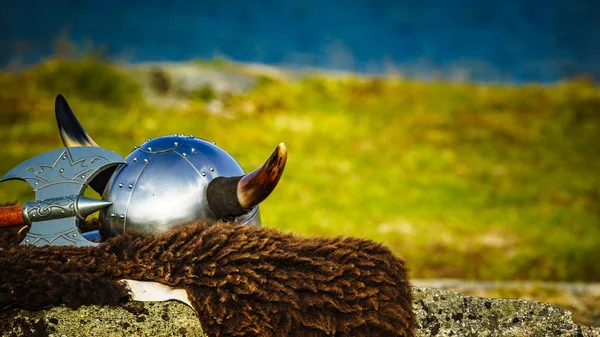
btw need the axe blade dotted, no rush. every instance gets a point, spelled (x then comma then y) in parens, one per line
(57, 232)
(61, 173)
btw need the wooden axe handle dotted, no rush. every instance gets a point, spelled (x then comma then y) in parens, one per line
(11, 216)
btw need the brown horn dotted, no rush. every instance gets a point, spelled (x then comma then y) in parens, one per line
(230, 197)
(256, 186)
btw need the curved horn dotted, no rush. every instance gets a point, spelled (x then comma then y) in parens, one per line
(71, 131)
(256, 186)
(74, 135)
(230, 197)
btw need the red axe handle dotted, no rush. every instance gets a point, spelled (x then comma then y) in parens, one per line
(11, 216)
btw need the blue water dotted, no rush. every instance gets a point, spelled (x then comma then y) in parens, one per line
(510, 40)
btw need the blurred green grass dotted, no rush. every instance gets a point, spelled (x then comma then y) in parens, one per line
(478, 181)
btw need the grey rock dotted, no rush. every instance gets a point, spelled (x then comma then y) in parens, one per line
(582, 299)
(446, 313)
(160, 319)
(439, 312)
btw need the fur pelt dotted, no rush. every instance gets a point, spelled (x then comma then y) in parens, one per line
(241, 280)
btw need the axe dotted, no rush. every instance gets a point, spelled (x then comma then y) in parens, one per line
(58, 178)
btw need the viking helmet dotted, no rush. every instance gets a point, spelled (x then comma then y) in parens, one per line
(174, 180)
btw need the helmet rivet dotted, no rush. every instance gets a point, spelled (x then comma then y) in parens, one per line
(135, 160)
(191, 136)
(174, 135)
(214, 143)
(27, 240)
(184, 154)
(121, 185)
(149, 148)
(122, 216)
(149, 139)
(136, 147)
(211, 169)
(61, 170)
(64, 157)
(145, 160)
(112, 214)
(83, 176)
(193, 150)
(130, 185)
(74, 234)
(182, 135)
(203, 174)
(176, 143)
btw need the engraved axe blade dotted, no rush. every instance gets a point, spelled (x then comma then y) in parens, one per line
(59, 178)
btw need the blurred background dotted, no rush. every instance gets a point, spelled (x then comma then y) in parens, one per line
(465, 135)
(509, 40)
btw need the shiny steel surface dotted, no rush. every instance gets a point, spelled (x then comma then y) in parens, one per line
(58, 178)
(163, 186)
(61, 207)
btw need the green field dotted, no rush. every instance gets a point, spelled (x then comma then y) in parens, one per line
(479, 181)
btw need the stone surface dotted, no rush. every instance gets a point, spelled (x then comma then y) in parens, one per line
(446, 313)
(582, 299)
(131, 319)
(440, 313)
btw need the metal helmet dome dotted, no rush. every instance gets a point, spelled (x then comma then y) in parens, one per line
(175, 180)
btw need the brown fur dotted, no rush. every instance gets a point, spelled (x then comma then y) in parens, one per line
(242, 280)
